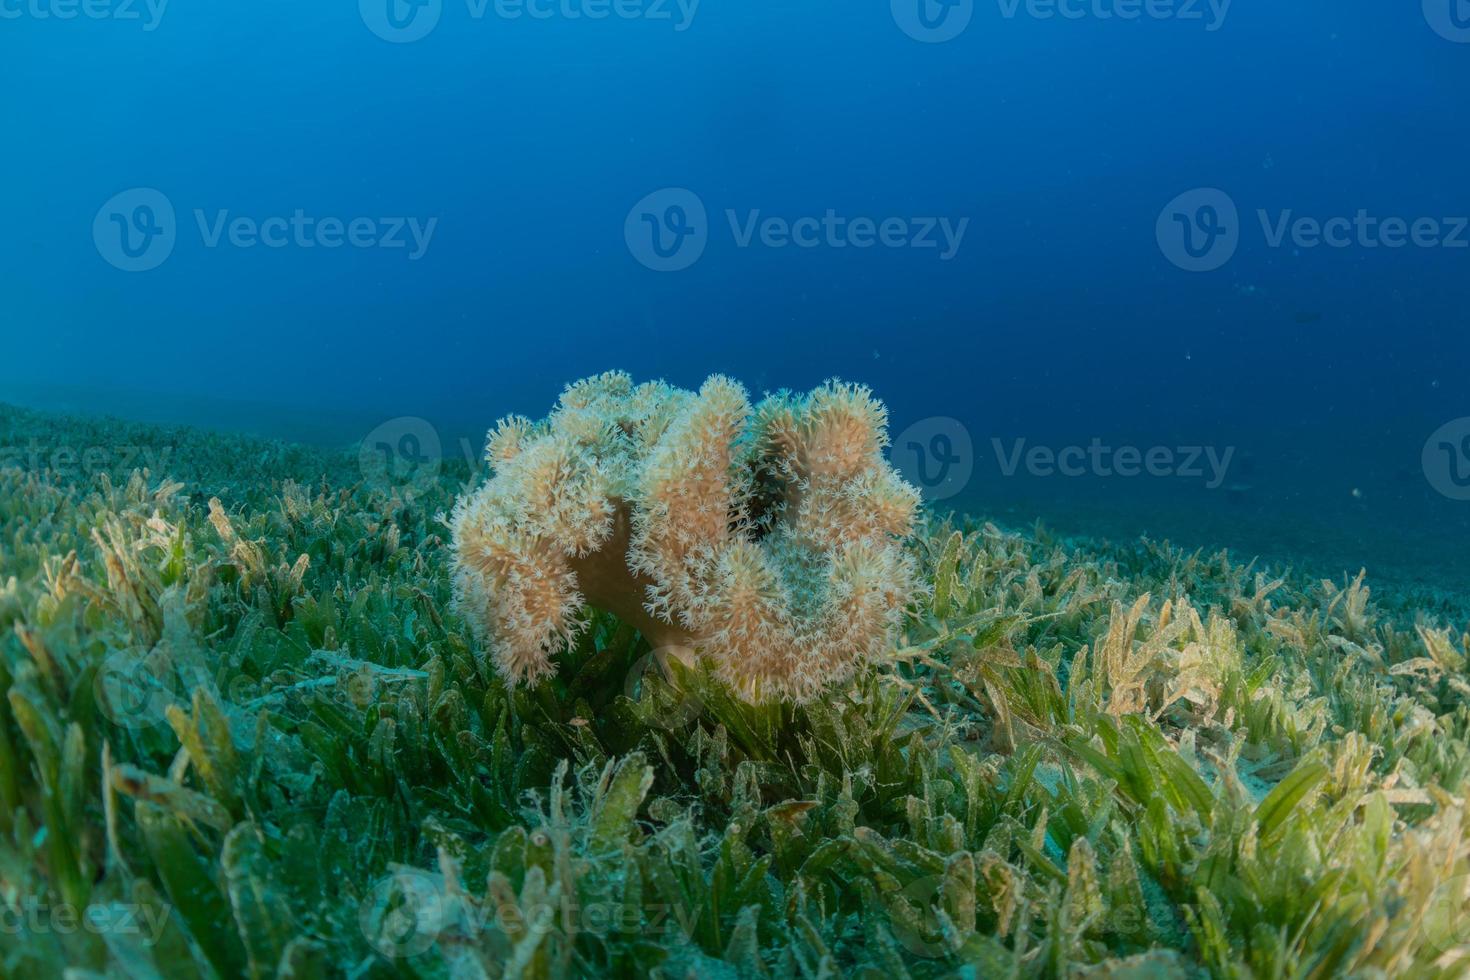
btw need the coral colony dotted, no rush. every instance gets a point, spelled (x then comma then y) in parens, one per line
(763, 539)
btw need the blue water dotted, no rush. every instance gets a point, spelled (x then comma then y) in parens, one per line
(1051, 147)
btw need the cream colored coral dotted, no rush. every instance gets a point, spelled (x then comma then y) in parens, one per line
(765, 539)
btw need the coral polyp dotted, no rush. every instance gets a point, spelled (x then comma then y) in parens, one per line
(765, 539)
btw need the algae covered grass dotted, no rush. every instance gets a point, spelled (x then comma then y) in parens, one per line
(244, 735)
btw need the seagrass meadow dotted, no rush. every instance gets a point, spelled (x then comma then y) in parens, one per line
(244, 733)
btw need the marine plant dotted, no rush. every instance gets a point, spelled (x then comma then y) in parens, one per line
(764, 539)
(245, 733)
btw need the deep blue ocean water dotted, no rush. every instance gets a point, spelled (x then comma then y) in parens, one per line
(1194, 270)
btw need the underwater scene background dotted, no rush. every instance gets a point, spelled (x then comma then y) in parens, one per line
(404, 571)
(996, 208)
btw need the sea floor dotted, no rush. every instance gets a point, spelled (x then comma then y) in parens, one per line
(1319, 534)
(1344, 508)
(242, 716)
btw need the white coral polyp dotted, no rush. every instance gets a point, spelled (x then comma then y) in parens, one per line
(766, 538)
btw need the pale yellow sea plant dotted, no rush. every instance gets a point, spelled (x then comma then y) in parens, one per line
(764, 540)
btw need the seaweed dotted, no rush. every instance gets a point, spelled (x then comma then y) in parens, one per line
(245, 733)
